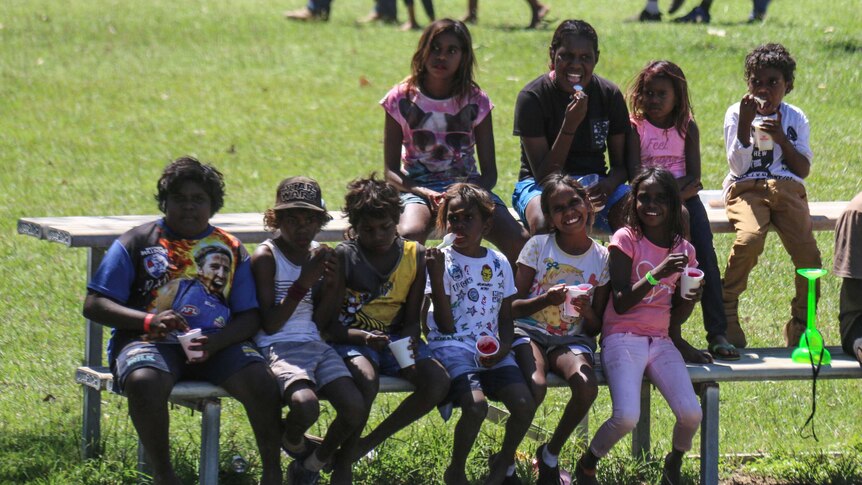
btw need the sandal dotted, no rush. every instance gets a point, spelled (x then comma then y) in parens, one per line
(724, 351)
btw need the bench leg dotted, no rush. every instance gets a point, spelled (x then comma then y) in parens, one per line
(709, 435)
(91, 428)
(641, 435)
(210, 429)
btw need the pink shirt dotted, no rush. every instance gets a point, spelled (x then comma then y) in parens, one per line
(651, 316)
(664, 148)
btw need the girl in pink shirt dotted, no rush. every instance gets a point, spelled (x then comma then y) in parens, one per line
(641, 332)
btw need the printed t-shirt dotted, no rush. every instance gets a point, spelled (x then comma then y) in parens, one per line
(300, 327)
(541, 109)
(141, 263)
(554, 266)
(373, 300)
(438, 134)
(476, 288)
(649, 317)
(661, 147)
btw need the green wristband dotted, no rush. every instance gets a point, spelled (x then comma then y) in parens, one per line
(649, 277)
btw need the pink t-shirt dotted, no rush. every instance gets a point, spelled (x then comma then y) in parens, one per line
(439, 142)
(664, 148)
(651, 316)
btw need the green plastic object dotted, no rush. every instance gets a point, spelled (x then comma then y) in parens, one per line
(811, 347)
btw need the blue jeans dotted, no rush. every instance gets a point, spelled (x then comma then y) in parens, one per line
(714, 319)
(319, 6)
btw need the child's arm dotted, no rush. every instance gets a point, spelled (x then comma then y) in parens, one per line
(594, 313)
(545, 160)
(484, 133)
(618, 172)
(506, 331)
(100, 308)
(633, 152)
(393, 138)
(522, 304)
(435, 261)
(681, 309)
(795, 161)
(689, 184)
(415, 297)
(627, 295)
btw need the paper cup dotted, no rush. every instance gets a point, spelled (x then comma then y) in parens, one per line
(401, 350)
(186, 340)
(689, 281)
(762, 139)
(487, 346)
(572, 292)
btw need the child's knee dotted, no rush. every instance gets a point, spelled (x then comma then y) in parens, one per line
(474, 410)
(304, 407)
(147, 384)
(585, 391)
(750, 242)
(625, 420)
(689, 417)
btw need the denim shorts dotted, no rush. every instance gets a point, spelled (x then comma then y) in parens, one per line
(384, 360)
(527, 189)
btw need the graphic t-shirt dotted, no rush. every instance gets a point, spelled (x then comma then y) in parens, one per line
(476, 288)
(201, 309)
(149, 262)
(651, 316)
(661, 147)
(554, 266)
(300, 327)
(438, 138)
(372, 300)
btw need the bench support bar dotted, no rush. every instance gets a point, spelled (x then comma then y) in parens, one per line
(709, 434)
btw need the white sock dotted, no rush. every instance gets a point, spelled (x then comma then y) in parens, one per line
(549, 459)
(313, 463)
(652, 6)
(511, 470)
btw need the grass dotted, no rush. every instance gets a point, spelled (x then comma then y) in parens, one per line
(98, 95)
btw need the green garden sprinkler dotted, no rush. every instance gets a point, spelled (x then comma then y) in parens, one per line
(811, 343)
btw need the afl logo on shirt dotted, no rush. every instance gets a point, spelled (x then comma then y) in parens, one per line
(189, 311)
(156, 264)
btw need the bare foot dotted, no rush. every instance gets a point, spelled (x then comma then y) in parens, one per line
(455, 477)
(408, 26)
(692, 355)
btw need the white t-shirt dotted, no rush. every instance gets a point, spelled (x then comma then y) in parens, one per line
(300, 327)
(554, 266)
(476, 288)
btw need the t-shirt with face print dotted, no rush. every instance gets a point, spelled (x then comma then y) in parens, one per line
(438, 145)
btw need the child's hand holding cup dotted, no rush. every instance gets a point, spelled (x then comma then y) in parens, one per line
(689, 281)
(187, 340)
(573, 293)
(403, 351)
(486, 347)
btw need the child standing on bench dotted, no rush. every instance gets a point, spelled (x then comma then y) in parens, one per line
(471, 289)
(642, 325)
(289, 270)
(546, 339)
(765, 187)
(437, 122)
(380, 290)
(665, 135)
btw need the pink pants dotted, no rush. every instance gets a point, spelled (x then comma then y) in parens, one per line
(626, 358)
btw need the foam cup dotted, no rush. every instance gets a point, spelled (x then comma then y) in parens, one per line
(487, 346)
(572, 292)
(401, 350)
(762, 139)
(689, 281)
(186, 340)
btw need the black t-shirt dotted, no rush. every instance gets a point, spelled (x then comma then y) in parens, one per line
(541, 109)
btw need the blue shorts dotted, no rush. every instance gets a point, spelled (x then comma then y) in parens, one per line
(384, 360)
(527, 189)
(170, 358)
(468, 375)
(410, 198)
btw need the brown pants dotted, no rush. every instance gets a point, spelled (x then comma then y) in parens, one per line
(753, 206)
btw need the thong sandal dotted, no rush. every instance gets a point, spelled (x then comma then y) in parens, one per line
(724, 352)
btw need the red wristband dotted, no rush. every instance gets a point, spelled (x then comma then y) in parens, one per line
(296, 292)
(147, 320)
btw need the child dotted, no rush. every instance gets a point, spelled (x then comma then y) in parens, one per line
(288, 269)
(848, 266)
(563, 345)
(144, 354)
(382, 279)
(471, 289)
(765, 185)
(641, 334)
(665, 135)
(435, 120)
(538, 12)
(567, 119)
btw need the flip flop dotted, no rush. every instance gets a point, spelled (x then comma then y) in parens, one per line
(730, 352)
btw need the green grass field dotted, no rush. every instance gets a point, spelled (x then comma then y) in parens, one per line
(97, 96)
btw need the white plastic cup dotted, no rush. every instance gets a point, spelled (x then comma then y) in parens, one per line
(401, 350)
(487, 346)
(762, 139)
(572, 292)
(689, 281)
(186, 340)
(588, 181)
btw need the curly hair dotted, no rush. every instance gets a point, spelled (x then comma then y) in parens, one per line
(371, 198)
(189, 169)
(463, 82)
(682, 112)
(666, 180)
(774, 56)
(578, 28)
(470, 194)
(554, 182)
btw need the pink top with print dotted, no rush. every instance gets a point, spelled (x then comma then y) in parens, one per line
(663, 148)
(439, 142)
(651, 316)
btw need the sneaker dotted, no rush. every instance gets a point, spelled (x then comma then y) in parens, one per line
(584, 476)
(547, 475)
(299, 475)
(306, 15)
(696, 16)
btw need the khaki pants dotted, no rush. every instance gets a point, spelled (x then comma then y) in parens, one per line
(753, 206)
